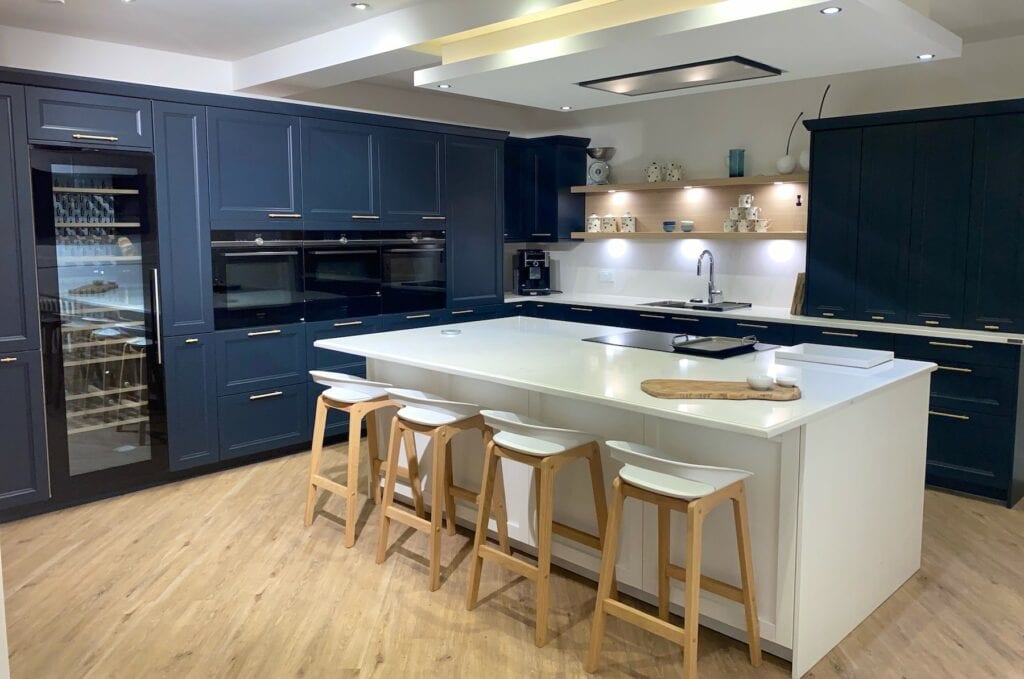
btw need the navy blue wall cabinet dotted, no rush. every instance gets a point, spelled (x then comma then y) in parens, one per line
(475, 185)
(995, 246)
(183, 212)
(339, 178)
(260, 358)
(190, 376)
(87, 119)
(520, 190)
(19, 306)
(539, 194)
(254, 169)
(411, 166)
(258, 421)
(23, 476)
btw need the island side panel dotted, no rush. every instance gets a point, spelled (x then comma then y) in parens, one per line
(861, 513)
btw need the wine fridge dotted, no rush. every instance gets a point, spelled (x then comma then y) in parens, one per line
(96, 257)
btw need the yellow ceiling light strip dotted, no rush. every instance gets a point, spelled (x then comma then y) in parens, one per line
(569, 20)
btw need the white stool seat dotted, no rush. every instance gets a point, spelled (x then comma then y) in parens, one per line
(430, 410)
(348, 388)
(532, 437)
(348, 395)
(651, 469)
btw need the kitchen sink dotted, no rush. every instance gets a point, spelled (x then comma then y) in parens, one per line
(698, 305)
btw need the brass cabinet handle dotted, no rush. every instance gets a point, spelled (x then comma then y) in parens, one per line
(433, 219)
(878, 318)
(686, 318)
(365, 217)
(285, 215)
(580, 308)
(953, 345)
(8, 359)
(951, 416)
(192, 340)
(345, 324)
(931, 322)
(991, 327)
(660, 318)
(261, 333)
(415, 316)
(827, 314)
(839, 334)
(751, 325)
(955, 370)
(462, 312)
(93, 137)
(269, 394)
(540, 234)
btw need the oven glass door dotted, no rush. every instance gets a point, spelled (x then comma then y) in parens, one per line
(414, 278)
(342, 281)
(255, 286)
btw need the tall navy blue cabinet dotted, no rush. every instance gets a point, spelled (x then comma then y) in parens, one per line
(339, 184)
(538, 194)
(520, 190)
(411, 177)
(190, 376)
(19, 313)
(183, 214)
(255, 176)
(23, 476)
(475, 242)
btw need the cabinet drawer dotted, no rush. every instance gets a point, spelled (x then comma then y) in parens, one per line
(473, 314)
(417, 319)
(768, 333)
(842, 337)
(87, 119)
(325, 359)
(969, 451)
(660, 321)
(940, 350)
(555, 312)
(682, 323)
(263, 420)
(337, 421)
(975, 388)
(260, 358)
(582, 313)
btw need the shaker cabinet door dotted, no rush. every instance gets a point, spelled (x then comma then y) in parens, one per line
(191, 380)
(23, 475)
(338, 169)
(88, 119)
(412, 188)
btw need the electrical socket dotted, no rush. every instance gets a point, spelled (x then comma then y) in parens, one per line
(606, 276)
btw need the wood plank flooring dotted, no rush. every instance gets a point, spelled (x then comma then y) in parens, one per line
(216, 577)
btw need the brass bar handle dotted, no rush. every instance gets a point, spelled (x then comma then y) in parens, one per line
(285, 215)
(660, 318)
(93, 137)
(936, 413)
(540, 234)
(429, 218)
(751, 325)
(8, 359)
(931, 322)
(192, 340)
(878, 318)
(952, 345)
(955, 370)
(347, 324)
(463, 312)
(415, 316)
(365, 217)
(261, 333)
(686, 318)
(991, 327)
(580, 308)
(827, 314)
(839, 334)
(269, 394)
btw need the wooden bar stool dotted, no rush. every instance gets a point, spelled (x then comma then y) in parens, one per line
(442, 420)
(361, 399)
(547, 450)
(695, 490)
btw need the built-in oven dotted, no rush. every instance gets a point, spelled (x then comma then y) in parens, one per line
(413, 271)
(342, 272)
(257, 278)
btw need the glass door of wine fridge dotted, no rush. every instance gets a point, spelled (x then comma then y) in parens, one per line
(98, 280)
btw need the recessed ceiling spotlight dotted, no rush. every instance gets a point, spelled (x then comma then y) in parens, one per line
(566, 108)
(831, 11)
(925, 57)
(360, 5)
(445, 86)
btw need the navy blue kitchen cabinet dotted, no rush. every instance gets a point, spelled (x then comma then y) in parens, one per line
(23, 475)
(943, 165)
(258, 421)
(19, 306)
(339, 174)
(970, 452)
(417, 319)
(260, 358)
(520, 190)
(183, 213)
(765, 331)
(585, 313)
(833, 215)
(87, 119)
(255, 174)
(543, 207)
(841, 337)
(476, 313)
(190, 376)
(475, 186)
(995, 245)
(335, 361)
(411, 177)
(548, 310)
(883, 233)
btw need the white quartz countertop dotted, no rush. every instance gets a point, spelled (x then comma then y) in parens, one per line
(550, 357)
(770, 314)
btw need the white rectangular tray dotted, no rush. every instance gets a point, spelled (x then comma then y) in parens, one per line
(845, 356)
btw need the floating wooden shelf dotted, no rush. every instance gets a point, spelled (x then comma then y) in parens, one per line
(695, 183)
(98, 225)
(704, 235)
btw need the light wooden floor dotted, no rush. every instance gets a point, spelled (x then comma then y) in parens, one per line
(216, 577)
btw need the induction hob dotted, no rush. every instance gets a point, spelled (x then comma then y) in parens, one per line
(673, 343)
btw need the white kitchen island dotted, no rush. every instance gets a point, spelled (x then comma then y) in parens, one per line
(836, 500)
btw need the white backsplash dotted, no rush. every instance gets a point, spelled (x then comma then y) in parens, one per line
(759, 272)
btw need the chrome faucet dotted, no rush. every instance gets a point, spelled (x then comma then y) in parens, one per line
(714, 294)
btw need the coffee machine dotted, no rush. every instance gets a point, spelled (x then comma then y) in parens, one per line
(533, 272)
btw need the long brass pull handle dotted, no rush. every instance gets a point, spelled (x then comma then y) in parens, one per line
(365, 217)
(269, 394)
(261, 333)
(346, 324)
(192, 340)
(463, 312)
(686, 318)
(839, 334)
(827, 314)
(8, 359)
(433, 219)
(878, 318)
(580, 308)
(540, 234)
(951, 416)
(931, 322)
(93, 137)
(955, 370)
(415, 316)
(991, 327)
(660, 318)
(953, 345)
(285, 215)
(751, 325)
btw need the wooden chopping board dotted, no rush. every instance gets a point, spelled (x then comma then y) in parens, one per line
(707, 389)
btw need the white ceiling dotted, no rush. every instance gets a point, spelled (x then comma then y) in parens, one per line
(221, 29)
(979, 20)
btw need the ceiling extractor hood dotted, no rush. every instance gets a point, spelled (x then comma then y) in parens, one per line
(685, 76)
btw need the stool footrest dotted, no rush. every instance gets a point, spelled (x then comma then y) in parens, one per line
(324, 483)
(576, 535)
(464, 493)
(712, 585)
(527, 570)
(647, 622)
(408, 519)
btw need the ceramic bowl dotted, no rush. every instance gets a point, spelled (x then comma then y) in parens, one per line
(669, 227)
(785, 381)
(760, 382)
(686, 225)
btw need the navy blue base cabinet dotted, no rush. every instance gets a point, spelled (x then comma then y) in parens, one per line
(191, 382)
(260, 358)
(259, 421)
(23, 476)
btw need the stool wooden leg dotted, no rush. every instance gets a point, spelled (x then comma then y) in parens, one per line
(389, 488)
(437, 498)
(607, 576)
(319, 423)
(487, 485)
(739, 506)
(694, 530)
(544, 519)
(600, 500)
(449, 481)
(355, 425)
(500, 508)
(373, 447)
(664, 551)
(413, 465)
